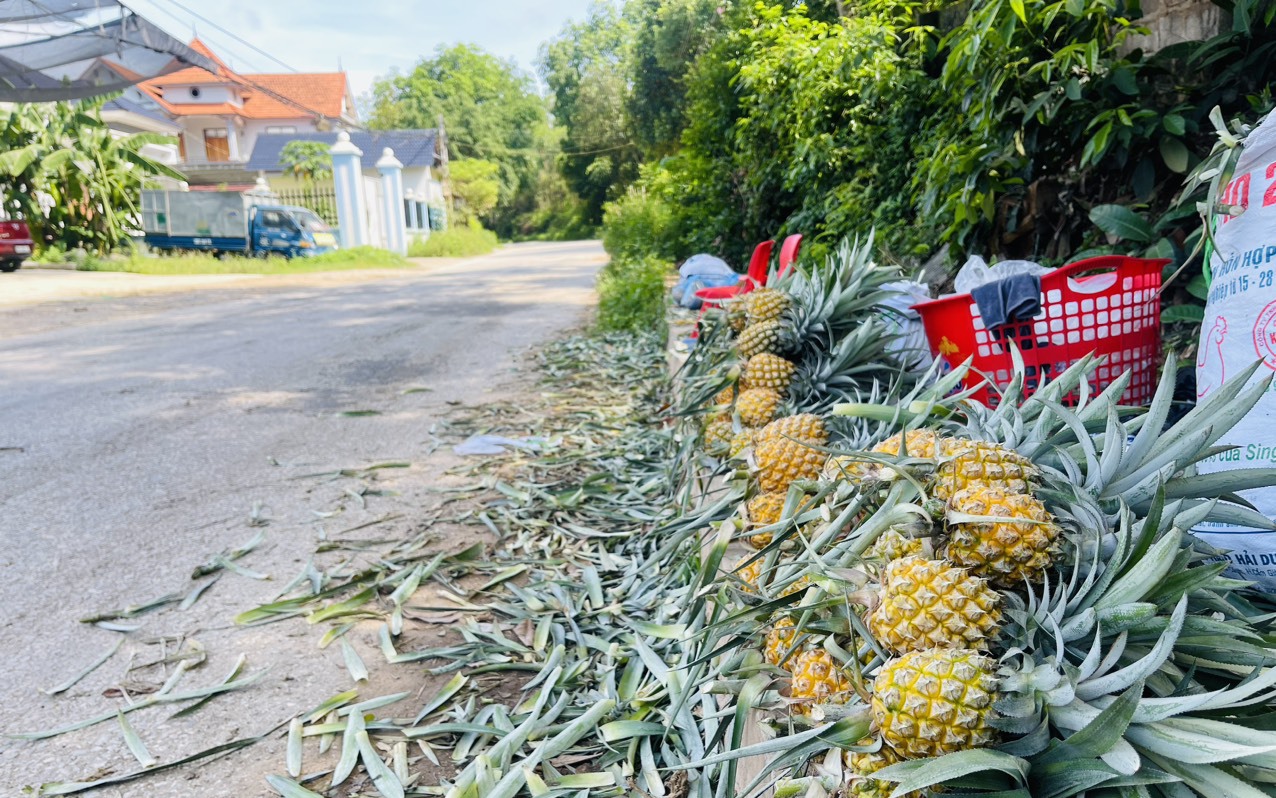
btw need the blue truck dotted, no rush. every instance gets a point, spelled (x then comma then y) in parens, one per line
(228, 222)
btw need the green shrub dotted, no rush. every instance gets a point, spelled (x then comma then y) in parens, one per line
(456, 242)
(638, 224)
(631, 295)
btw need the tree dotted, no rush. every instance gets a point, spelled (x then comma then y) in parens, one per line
(476, 186)
(670, 36)
(307, 161)
(75, 182)
(489, 107)
(586, 69)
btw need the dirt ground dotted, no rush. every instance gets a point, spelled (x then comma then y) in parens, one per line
(141, 435)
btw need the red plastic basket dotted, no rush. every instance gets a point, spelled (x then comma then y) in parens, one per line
(1107, 306)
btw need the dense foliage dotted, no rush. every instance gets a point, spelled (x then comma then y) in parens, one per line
(73, 181)
(631, 295)
(1028, 128)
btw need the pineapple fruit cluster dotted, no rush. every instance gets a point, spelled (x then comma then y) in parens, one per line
(952, 577)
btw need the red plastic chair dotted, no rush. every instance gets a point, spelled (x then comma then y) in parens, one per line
(789, 251)
(759, 264)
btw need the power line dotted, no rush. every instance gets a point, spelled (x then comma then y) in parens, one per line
(182, 22)
(234, 36)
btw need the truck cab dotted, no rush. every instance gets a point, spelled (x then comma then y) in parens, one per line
(289, 231)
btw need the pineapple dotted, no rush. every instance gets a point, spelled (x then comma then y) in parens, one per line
(766, 509)
(817, 679)
(784, 451)
(769, 371)
(725, 397)
(749, 574)
(783, 462)
(778, 642)
(757, 406)
(741, 440)
(984, 464)
(766, 304)
(846, 467)
(803, 427)
(1006, 552)
(931, 604)
(893, 545)
(935, 702)
(763, 337)
(860, 767)
(923, 443)
(717, 435)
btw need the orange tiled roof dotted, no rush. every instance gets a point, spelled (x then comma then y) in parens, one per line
(268, 96)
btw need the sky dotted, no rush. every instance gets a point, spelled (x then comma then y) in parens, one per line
(368, 38)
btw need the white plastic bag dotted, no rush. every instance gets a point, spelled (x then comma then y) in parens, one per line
(1239, 326)
(976, 272)
(911, 347)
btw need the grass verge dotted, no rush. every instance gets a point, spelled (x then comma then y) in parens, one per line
(458, 242)
(200, 263)
(631, 295)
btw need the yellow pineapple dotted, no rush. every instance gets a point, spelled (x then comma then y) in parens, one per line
(749, 574)
(769, 371)
(893, 545)
(766, 304)
(717, 435)
(978, 463)
(757, 406)
(924, 443)
(758, 338)
(725, 396)
(764, 509)
(784, 451)
(859, 767)
(935, 702)
(931, 604)
(1019, 546)
(741, 441)
(848, 468)
(778, 642)
(806, 427)
(817, 679)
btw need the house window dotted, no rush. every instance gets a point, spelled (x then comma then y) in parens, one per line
(216, 145)
(281, 129)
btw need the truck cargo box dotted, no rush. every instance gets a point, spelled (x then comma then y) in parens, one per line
(189, 213)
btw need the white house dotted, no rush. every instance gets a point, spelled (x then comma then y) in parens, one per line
(220, 115)
(423, 154)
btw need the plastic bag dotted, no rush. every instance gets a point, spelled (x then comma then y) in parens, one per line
(911, 346)
(701, 271)
(977, 272)
(1240, 325)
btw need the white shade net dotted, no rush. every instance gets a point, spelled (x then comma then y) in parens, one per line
(47, 46)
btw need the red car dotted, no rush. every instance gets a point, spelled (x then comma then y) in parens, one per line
(15, 245)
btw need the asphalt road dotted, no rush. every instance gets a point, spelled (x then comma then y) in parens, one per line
(139, 436)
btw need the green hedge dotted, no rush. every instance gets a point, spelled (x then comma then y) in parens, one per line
(631, 295)
(456, 242)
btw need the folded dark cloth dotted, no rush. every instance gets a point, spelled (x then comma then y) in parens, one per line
(1014, 298)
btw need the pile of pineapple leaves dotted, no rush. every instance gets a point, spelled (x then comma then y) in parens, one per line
(608, 646)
